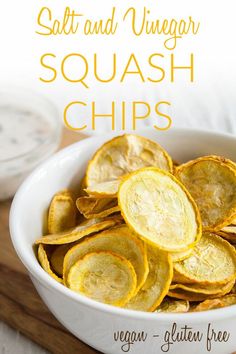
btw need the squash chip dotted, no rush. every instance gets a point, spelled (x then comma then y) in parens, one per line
(86, 228)
(230, 229)
(213, 261)
(180, 256)
(227, 236)
(125, 154)
(207, 289)
(170, 305)
(157, 283)
(103, 276)
(62, 212)
(212, 183)
(57, 258)
(224, 301)
(92, 207)
(233, 222)
(120, 240)
(44, 261)
(158, 208)
(107, 189)
(189, 295)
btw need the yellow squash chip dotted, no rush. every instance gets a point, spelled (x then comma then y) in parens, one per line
(158, 208)
(86, 228)
(213, 261)
(44, 261)
(157, 283)
(227, 236)
(120, 240)
(107, 189)
(212, 183)
(180, 256)
(125, 154)
(171, 305)
(223, 160)
(207, 289)
(206, 305)
(189, 295)
(180, 278)
(57, 258)
(104, 276)
(229, 229)
(92, 207)
(62, 213)
(233, 222)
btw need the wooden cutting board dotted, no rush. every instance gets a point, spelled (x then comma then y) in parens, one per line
(20, 305)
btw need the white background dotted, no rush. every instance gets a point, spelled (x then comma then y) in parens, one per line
(209, 102)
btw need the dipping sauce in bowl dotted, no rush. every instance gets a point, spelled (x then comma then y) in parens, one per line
(29, 132)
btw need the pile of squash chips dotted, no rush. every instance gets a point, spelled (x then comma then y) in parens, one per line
(145, 233)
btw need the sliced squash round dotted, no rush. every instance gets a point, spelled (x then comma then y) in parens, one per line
(212, 183)
(213, 261)
(103, 276)
(160, 210)
(120, 240)
(125, 154)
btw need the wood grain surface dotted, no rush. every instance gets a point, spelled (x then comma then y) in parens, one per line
(20, 305)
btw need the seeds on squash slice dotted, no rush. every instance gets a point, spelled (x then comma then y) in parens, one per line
(160, 210)
(103, 276)
(120, 240)
(213, 261)
(125, 154)
(212, 183)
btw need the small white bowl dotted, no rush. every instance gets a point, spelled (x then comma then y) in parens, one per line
(30, 132)
(102, 326)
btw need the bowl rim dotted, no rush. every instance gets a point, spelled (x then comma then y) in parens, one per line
(46, 280)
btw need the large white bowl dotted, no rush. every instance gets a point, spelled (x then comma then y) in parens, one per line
(94, 323)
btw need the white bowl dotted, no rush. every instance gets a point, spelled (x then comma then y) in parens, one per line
(98, 324)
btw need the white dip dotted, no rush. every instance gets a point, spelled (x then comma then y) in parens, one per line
(28, 134)
(21, 132)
